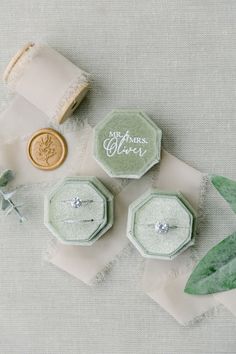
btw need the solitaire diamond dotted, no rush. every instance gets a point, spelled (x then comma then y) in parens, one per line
(162, 228)
(76, 202)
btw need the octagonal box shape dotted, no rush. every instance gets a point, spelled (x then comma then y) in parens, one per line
(57, 209)
(127, 143)
(153, 207)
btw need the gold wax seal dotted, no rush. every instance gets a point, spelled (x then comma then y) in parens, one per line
(47, 149)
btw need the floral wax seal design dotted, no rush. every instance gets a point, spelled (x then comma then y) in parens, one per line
(79, 210)
(47, 149)
(161, 225)
(127, 143)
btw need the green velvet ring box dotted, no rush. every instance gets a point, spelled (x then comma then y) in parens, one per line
(127, 143)
(161, 225)
(79, 210)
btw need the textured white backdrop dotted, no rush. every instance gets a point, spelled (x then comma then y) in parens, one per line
(175, 59)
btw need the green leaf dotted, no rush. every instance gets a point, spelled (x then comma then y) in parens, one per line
(5, 204)
(216, 272)
(227, 188)
(6, 177)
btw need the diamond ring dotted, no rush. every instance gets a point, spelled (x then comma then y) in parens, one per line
(161, 227)
(76, 202)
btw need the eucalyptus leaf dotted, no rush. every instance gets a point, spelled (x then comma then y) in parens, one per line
(6, 177)
(216, 272)
(227, 188)
(5, 204)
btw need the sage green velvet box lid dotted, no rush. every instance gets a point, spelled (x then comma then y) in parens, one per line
(161, 225)
(127, 143)
(79, 210)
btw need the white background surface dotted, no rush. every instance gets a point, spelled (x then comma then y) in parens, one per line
(176, 60)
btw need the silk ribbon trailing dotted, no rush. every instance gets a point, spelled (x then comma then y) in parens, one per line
(37, 104)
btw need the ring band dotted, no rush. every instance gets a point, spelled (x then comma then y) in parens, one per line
(74, 221)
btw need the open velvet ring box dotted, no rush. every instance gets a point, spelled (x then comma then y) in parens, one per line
(161, 225)
(79, 210)
(127, 143)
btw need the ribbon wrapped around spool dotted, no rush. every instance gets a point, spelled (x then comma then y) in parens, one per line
(48, 80)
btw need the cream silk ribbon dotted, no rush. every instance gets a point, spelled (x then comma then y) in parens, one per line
(32, 109)
(47, 80)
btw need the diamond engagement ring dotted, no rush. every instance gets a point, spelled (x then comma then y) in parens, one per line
(161, 227)
(76, 202)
